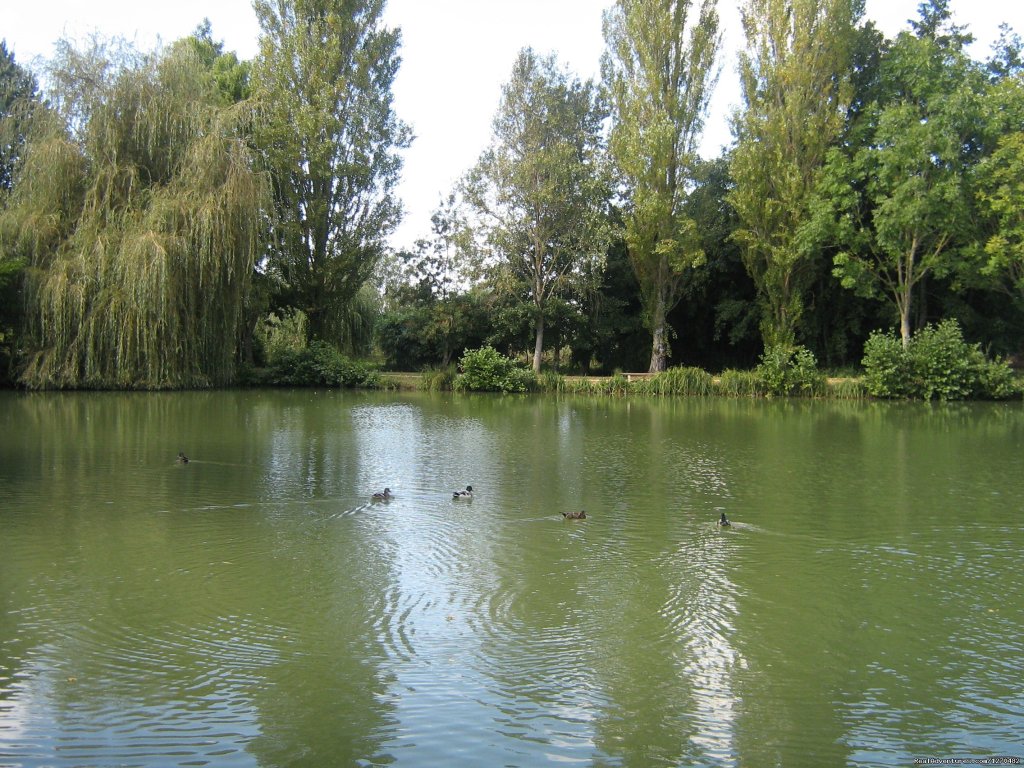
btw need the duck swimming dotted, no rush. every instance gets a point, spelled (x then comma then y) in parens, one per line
(723, 521)
(384, 495)
(581, 515)
(182, 458)
(466, 494)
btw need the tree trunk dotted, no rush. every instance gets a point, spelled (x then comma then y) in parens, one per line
(904, 308)
(538, 347)
(659, 347)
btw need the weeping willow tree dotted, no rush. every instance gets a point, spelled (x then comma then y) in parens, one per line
(141, 213)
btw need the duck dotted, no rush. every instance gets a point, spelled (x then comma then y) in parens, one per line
(466, 494)
(581, 515)
(384, 495)
(182, 458)
(723, 521)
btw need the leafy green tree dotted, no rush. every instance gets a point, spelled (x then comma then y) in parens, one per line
(659, 69)
(431, 316)
(835, 322)
(439, 266)
(18, 95)
(540, 189)
(140, 214)
(1001, 191)
(795, 76)
(609, 331)
(1007, 55)
(998, 182)
(322, 82)
(421, 331)
(897, 203)
(18, 99)
(440, 262)
(223, 68)
(719, 300)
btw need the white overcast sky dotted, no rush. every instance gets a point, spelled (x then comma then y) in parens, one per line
(456, 54)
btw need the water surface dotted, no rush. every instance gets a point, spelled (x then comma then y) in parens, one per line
(255, 608)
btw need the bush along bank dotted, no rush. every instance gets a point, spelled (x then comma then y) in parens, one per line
(937, 365)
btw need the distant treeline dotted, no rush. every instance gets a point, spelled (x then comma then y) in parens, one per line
(181, 218)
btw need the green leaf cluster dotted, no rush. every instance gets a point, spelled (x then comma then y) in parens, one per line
(139, 210)
(487, 370)
(318, 365)
(790, 370)
(937, 364)
(659, 72)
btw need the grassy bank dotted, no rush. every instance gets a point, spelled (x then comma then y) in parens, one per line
(690, 382)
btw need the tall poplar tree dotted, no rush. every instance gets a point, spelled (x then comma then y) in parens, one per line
(659, 69)
(1000, 189)
(540, 188)
(323, 83)
(795, 89)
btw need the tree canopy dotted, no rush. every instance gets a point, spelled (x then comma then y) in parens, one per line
(182, 218)
(898, 204)
(328, 131)
(140, 212)
(659, 69)
(795, 90)
(540, 188)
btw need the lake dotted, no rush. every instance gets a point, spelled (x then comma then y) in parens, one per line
(255, 607)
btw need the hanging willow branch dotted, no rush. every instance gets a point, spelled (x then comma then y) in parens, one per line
(141, 234)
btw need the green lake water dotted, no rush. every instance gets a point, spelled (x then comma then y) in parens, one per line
(255, 608)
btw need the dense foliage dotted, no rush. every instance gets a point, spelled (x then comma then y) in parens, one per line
(935, 364)
(138, 198)
(316, 365)
(182, 218)
(487, 370)
(329, 135)
(790, 371)
(659, 70)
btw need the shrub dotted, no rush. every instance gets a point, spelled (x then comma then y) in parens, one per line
(786, 370)
(936, 364)
(487, 370)
(319, 364)
(945, 366)
(996, 381)
(887, 366)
